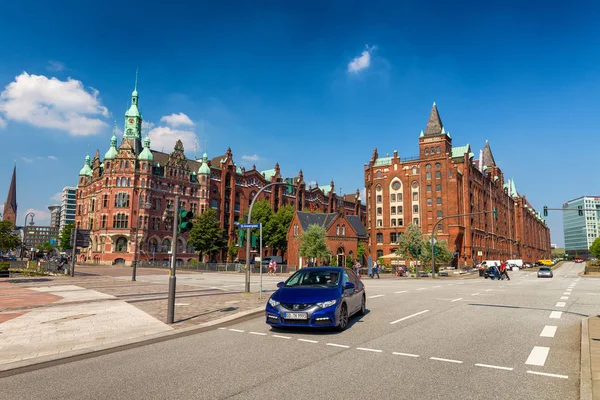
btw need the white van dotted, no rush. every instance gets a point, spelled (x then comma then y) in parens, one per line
(490, 263)
(517, 263)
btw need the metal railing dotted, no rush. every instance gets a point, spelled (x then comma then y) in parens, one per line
(214, 267)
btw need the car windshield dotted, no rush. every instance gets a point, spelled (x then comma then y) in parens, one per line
(323, 278)
(544, 269)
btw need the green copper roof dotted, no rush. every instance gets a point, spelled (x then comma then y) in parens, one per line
(459, 151)
(86, 170)
(112, 151)
(238, 170)
(422, 134)
(133, 111)
(204, 168)
(383, 161)
(325, 189)
(146, 154)
(268, 173)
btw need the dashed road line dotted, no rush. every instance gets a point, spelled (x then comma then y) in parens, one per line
(282, 337)
(338, 345)
(402, 291)
(437, 286)
(564, 297)
(258, 333)
(548, 331)
(377, 295)
(488, 290)
(308, 340)
(236, 330)
(405, 354)
(446, 360)
(538, 356)
(423, 288)
(566, 293)
(474, 294)
(494, 367)
(410, 316)
(371, 350)
(546, 374)
(556, 314)
(455, 300)
(222, 329)
(561, 304)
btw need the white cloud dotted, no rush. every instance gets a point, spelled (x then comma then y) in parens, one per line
(1, 208)
(55, 66)
(53, 158)
(146, 126)
(2, 123)
(363, 195)
(311, 183)
(163, 138)
(41, 217)
(252, 158)
(57, 197)
(176, 120)
(27, 160)
(361, 62)
(52, 103)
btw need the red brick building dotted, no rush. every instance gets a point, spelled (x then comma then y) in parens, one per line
(446, 180)
(344, 233)
(126, 197)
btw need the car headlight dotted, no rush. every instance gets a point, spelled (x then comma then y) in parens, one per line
(273, 303)
(326, 304)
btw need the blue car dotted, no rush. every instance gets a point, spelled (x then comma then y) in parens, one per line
(317, 298)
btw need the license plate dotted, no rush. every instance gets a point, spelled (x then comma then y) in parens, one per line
(296, 315)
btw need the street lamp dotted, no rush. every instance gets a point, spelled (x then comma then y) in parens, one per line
(146, 206)
(25, 227)
(249, 232)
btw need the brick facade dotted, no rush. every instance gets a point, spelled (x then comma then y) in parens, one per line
(445, 180)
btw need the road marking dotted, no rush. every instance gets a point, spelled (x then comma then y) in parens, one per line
(308, 341)
(410, 316)
(488, 290)
(377, 295)
(548, 331)
(564, 297)
(569, 290)
(258, 333)
(236, 330)
(460, 283)
(567, 293)
(446, 360)
(372, 350)
(402, 291)
(474, 294)
(494, 366)
(338, 345)
(551, 375)
(423, 288)
(561, 304)
(556, 314)
(282, 337)
(222, 329)
(437, 286)
(538, 356)
(455, 300)
(405, 354)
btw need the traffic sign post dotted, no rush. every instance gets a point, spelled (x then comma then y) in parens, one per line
(248, 226)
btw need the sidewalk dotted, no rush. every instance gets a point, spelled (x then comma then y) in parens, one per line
(48, 318)
(590, 358)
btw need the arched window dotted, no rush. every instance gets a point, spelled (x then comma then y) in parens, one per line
(107, 164)
(129, 182)
(379, 237)
(126, 164)
(106, 182)
(121, 245)
(118, 181)
(378, 174)
(426, 151)
(343, 230)
(153, 245)
(166, 245)
(379, 253)
(428, 166)
(437, 149)
(438, 175)
(121, 163)
(414, 170)
(123, 182)
(143, 182)
(438, 165)
(337, 230)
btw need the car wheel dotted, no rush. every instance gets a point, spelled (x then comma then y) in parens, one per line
(363, 306)
(343, 318)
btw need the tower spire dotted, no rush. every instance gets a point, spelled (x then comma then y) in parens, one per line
(136, 78)
(434, 125)
(10, 207)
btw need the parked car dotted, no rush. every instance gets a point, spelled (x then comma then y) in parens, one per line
(578, 260)
(544, 272)
(317, 297)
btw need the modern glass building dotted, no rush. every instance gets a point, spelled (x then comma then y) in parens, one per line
(581, 230)
(68, 206)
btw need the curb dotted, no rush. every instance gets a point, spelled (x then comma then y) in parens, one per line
(585, 379)
(32, 364)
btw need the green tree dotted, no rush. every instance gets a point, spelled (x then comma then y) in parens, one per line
(47, 246)
(442, 253)
(313, 243)
(278, 227)
(595, 248)
(206, 236)
(360, 252)
(65, 237)
(9, 240)
(261, 214)
(232, 251)
(410, 245)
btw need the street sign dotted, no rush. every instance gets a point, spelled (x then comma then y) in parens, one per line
(246, 226)
(480, 253)
(83, 237)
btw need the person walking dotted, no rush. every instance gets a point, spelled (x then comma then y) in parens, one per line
(504, 271)
(357, 268)
(274, 267)
(496, 271)
(271, 267)
(375, 270)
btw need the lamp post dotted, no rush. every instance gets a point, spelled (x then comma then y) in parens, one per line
(25, 227)
(146, 206)
(249, 231)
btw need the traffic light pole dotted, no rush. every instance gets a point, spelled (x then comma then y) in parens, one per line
(580, 210)
(172, 278)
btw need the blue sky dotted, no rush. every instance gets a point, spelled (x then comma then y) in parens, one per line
(313, 85)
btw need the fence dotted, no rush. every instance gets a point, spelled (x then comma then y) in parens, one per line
(214, 267)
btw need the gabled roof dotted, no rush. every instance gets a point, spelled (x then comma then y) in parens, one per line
(488, 158)
(459, 151)
(357, 225)
(268, 173)
(306, 219)
(434, 125)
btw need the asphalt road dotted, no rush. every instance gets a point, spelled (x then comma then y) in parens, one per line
(452, 339)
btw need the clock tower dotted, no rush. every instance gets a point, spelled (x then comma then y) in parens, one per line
(132, 132)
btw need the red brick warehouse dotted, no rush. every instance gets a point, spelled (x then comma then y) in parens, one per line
(125, 196)
(444, 180)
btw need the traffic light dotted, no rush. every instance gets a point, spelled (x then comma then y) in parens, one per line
(580, 210)
(495, 213)
(545, 211)
(184, 221)
(436, 250)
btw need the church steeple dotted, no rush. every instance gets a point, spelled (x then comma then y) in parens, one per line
(132, 132)
(434, 125)
(10, 207)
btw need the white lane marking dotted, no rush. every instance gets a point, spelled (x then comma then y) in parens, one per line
(236, 330)
(282, 337)
(338, 345)
(474, 294)
(372, 350)
(377, 295)
(446, 360)
(410, 316)
(546, 374)
(258, 333)
(455, 300)
(460, 283)
(402, 291)
(564, 297)
(556, 314)
(405, 354)
(437, 286)
(488, 290)
(494, 366)
(569, 290)
(548, 331)
(222, 329)
(308, 341)
(567, 293)
(538, 356)
(423, 288)
(560, 304)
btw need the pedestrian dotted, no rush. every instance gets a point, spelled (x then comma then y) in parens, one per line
(274, 267)
(504, 271)
(357, 268)
(375, 270)
(271, 267)
(496, 271)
